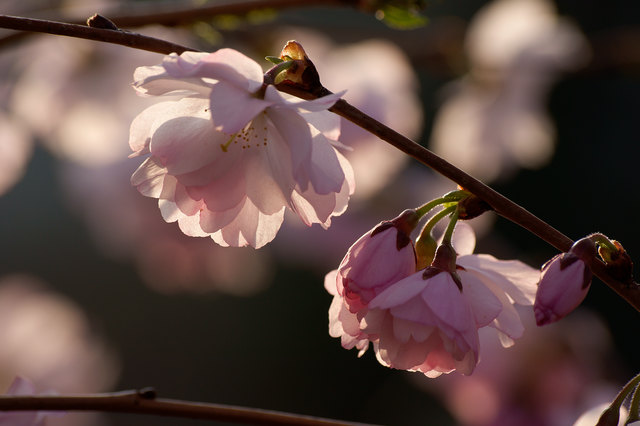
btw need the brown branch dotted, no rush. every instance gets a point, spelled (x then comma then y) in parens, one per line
(144, 402)
(168, 14)
(629, 291)
(124, 38)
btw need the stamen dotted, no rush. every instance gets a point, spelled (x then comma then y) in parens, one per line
(226, 145)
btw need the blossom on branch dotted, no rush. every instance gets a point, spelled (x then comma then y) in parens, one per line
(231, 154)
(426, 320)
(564, 283)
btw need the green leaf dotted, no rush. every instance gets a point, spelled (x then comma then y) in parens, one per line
(401, 18)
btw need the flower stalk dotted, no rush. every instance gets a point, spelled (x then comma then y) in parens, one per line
(144, 402)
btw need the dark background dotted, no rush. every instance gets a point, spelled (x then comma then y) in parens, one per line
(272, 350)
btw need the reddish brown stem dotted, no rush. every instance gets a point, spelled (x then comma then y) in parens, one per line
(144, 402)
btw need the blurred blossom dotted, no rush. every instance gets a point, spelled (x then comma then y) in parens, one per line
(549, 378)
(127, 226)
(76, 96)
(46, 338)
(15, 152)
(19, 387)
(380, 81)
(494, 120)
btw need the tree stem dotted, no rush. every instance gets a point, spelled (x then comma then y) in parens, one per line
(144, 402)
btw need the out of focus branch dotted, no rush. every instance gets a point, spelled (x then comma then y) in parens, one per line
(145, 402)
(170, 14)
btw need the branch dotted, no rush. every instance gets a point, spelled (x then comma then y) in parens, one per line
(124, 38)
(168, 14)
(145, 402)
(629, 291)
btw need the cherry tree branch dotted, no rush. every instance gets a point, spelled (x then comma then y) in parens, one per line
(144, 402)
(124, 38)
(169, 14)
(628, 290)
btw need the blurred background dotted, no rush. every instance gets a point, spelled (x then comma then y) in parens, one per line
(97, 293)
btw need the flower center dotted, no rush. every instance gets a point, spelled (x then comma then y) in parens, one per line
(253, 135)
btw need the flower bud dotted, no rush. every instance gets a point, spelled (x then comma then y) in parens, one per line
(564, 282)
(301, 72)
(379, 258)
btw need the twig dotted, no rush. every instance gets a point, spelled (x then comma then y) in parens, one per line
(144, 402)
(125, 38)
(168, 14)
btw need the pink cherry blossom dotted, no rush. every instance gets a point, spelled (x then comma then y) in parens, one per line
(427, 321)
(511, 281)
(564, 282)
(229, 156)
(379, 258)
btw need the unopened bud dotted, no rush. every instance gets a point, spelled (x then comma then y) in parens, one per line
(301, 72)
(425, 250)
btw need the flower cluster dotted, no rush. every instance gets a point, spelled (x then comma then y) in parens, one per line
(425, 320)
(231, 153)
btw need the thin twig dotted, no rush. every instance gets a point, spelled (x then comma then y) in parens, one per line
(170, 14)
(144, 402)
(125, 38)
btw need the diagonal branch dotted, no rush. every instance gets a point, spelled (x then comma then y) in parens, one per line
(630, 291)
(124, 38)
(145, 402)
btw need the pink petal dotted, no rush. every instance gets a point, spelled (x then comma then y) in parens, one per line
(232, 108)
(464, 239)
(484, 303)
(325, 122)
(515, 278)
(330, 282)
(224, 65)
(400, 292)
(325, 171)
(292, 128)
(315, 105)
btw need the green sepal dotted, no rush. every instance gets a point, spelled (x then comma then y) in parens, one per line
(401, 18)
(274, 59)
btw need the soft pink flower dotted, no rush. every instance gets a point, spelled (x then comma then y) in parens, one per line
(511, 281)
(564, 282)
(428, 321)
(227, 159)
(379, 258)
